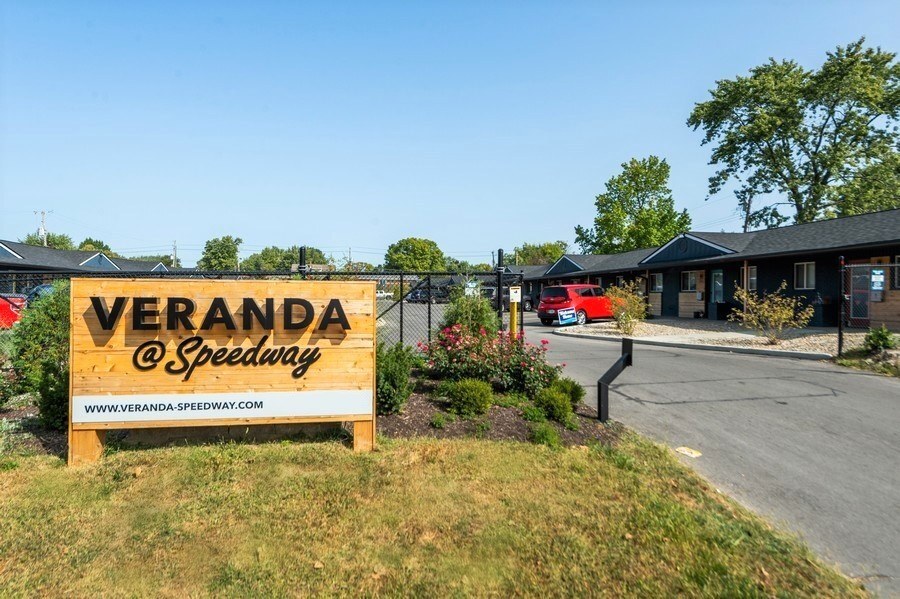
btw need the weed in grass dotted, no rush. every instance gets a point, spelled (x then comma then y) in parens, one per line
(543, 433)
(533, 414)
(481, 428)
(439, 420)
(511, 400)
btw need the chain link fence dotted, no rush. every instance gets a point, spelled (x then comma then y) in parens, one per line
(870, 298)
(410, 305)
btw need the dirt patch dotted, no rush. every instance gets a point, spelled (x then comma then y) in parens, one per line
(498, 424)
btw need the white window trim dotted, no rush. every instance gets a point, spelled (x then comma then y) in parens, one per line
(805, 282)
(658, 275)
(681, 281)
(752, 282)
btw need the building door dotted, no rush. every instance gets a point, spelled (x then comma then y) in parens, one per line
(860, 277)
(717, 290)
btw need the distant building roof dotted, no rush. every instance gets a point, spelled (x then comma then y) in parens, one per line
(21, 256)
(876, 228)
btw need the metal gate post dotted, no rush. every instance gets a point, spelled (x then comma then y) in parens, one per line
(500, 287)
(401, 307)
(429, 308)
(840, 349)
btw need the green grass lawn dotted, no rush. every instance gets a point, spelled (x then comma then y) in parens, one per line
(429, 517)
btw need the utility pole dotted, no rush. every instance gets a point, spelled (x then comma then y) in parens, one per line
(174, 254)
(349, 258)
(42, 232)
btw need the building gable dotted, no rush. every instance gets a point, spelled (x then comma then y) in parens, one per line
(563, 266)
(8, 254)
(686, 247)
(100, 261)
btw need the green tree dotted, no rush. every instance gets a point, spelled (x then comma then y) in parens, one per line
(220, 253)
(821, 142)
(276, 258)
(455, 265)
(59, 241)
(414, 254)
(529, 254)
(635, 211)
(95, 245)
(155, 258)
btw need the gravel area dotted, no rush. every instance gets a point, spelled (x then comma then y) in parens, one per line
(728, 333)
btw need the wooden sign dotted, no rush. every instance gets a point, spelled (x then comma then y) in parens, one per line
(195, 352)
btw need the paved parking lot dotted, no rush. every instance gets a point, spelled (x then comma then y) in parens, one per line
(812, 446)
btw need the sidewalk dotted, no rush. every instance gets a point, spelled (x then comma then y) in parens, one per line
(815, 343)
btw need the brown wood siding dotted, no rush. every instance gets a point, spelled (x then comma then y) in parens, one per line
(687, 300)
(655, 298)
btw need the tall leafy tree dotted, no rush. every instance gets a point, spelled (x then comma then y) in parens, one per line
(59, 241)
(463, 266)
(155, 258)
(96, 245)
(276, 258)
(414, 253)
(529, 254)
(636, 210)
(220, 253)
(820, 142)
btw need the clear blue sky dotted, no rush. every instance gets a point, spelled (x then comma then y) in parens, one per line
(476, 124)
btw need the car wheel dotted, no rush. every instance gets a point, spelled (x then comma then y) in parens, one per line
(527, 307)
(581, 317)
(546, 322)
(434, 300)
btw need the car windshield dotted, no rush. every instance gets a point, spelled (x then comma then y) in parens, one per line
(554, 292)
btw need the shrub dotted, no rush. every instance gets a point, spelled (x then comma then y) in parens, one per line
(438, 420)
(555, 404)
(879, 339)
(770, 314)
(510, 363)
(543, 433)
(572, 389)
(470, 397)
(41, 354)
(628, 306)
(472, 313)
(533, 414)
(393, 367)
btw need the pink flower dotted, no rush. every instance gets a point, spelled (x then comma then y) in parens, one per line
(544, 342)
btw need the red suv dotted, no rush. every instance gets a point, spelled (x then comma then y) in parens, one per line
(587, 300)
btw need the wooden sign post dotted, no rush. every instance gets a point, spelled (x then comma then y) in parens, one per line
(194, 352)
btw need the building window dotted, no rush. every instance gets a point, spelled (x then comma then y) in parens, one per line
(656, 282)
(752, 282)
(689, 280)
(896, 272)
(805, 275)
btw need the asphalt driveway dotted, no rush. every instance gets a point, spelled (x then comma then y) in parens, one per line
(813, 447)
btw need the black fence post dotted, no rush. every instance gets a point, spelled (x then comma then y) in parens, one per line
(840, 348)
(615, 370)
(429, 308)
(302, 267)
(522, 307)
(401, 307)
(500, 286)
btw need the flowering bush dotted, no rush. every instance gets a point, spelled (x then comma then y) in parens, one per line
(508, 362)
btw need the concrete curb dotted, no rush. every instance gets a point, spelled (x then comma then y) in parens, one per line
(775, 353)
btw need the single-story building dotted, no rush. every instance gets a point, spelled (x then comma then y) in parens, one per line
(17, 257)
(695, 274)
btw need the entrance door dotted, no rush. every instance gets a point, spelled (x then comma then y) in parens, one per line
(860, 278)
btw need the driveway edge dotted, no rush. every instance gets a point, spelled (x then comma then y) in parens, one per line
(776, 353)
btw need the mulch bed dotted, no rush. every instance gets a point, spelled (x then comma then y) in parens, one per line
(33, 437)
(498, 424)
